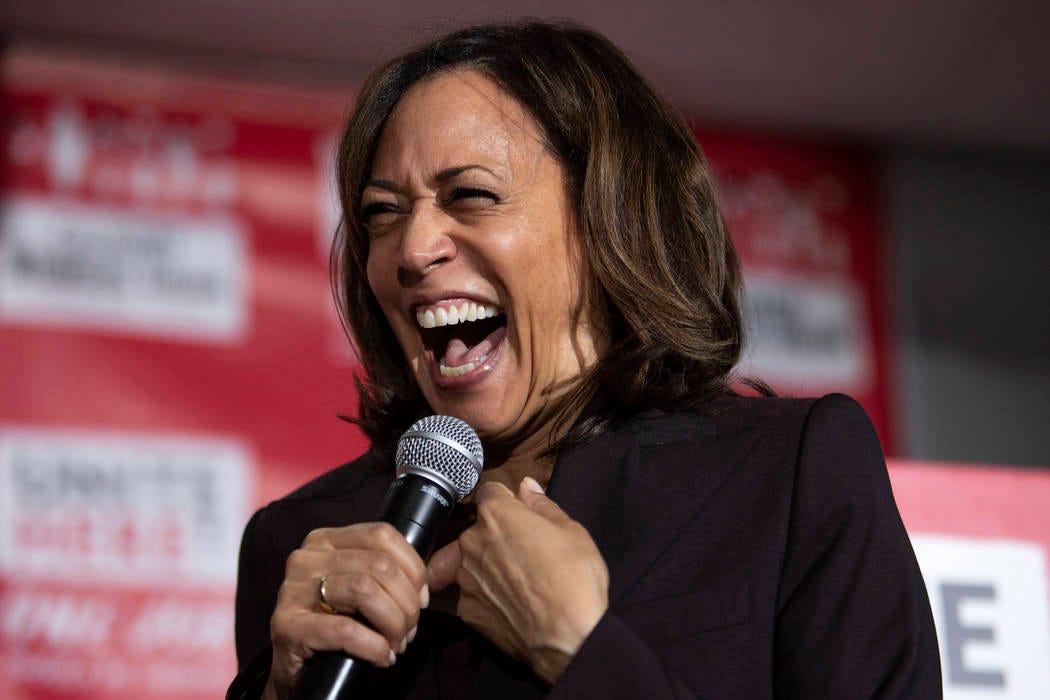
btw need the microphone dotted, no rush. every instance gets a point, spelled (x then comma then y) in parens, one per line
(438, 462)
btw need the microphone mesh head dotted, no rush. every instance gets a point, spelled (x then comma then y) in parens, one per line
(444, 446)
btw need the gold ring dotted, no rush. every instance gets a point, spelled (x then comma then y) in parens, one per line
(325, 605)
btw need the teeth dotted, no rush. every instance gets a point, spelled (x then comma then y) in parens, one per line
(462, 369)
(467, 311)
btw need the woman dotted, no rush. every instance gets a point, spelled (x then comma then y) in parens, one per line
(532, 245)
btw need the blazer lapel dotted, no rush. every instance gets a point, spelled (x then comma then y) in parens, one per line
(637, 488)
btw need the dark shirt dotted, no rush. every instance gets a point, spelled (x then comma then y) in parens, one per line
(754, 552)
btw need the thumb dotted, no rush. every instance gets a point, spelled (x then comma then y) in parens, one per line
(532, 495)
(444, 563)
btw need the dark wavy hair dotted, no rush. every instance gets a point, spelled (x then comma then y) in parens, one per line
(665, 274)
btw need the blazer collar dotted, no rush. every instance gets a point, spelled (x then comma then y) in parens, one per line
(636, 488)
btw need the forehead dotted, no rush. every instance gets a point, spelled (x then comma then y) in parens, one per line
(459, 115)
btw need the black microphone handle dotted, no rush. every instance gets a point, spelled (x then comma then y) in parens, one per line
(417, 507)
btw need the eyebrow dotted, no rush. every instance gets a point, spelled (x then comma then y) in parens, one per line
(441, 177)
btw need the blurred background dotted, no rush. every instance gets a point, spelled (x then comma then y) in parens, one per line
(170, 359)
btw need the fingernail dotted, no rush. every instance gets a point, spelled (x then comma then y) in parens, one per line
(412, 633)
(424, 596)
(532, 485)
(404, 645)
(391, 659)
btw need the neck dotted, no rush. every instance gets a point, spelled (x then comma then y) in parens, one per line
(510, 466)
(508, 461)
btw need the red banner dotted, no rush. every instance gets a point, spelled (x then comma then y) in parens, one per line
(170, 361)
(805, 222)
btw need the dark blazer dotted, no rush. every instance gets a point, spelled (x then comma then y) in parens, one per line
(754, 552)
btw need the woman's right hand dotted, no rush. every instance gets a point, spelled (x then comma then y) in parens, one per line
(369, 569)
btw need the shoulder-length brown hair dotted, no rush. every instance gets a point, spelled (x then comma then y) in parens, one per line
(665, 273)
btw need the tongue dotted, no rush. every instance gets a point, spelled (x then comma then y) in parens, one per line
(459, 353)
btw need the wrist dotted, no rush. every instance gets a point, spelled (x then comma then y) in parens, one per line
(549, 663)
(550, 659)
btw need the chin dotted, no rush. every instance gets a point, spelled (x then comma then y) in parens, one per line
(477, 417)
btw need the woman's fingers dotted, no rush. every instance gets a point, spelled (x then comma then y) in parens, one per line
(392, 611)
(371, 574)
(304, 634)
(363, 554)
(532, 494)
(350, 595)
(531, 578)
(441, 571)
(356, 575)
(375, 537)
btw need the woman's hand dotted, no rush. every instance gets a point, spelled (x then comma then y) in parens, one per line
(369, 569)
(531, 578)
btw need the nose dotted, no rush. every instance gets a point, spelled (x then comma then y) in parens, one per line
(425, 240)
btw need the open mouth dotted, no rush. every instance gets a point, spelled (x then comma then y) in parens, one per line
(461, 336)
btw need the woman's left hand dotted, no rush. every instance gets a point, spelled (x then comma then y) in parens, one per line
(531, 579)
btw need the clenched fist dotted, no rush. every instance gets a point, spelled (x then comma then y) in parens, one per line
(369, 569)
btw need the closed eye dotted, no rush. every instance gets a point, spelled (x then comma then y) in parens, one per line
(470, 197)
(379, 213)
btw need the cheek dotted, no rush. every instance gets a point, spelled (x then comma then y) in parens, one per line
(540, 256)
(557, 276)
(382, 278)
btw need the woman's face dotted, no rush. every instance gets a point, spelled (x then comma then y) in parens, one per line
(474, 258)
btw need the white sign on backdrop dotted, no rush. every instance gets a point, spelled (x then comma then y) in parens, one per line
(810, 333)
(83, 266)
(123, 508)
(989, 599)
